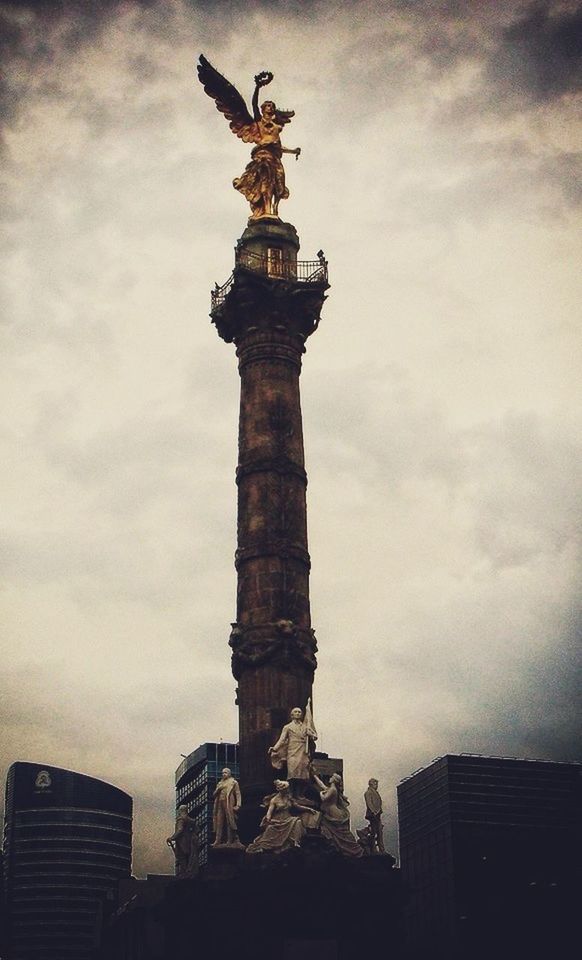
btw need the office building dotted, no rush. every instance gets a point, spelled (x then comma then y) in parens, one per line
(196, 780)
(326, 765)
(67, 842)
(490, 854)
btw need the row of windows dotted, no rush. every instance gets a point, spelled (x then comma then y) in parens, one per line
(62, 880)
(213, 760)
(522, 775)
(67, 895)
(515, 780)
(191, 790)
(77, 948)
(194, 777)
(51, 897)
(50, 882)
(215, 768)
(225, 754)
(56, 863)
(31, 928)
(101, 847)
(58, 950)
(52, 894)
(78, 831)
(64, 853)
(45, 911)
(67, 815)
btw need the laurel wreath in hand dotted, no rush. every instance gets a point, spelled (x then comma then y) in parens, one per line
(263, 78)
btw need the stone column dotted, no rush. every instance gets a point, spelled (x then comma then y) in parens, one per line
(269, 317)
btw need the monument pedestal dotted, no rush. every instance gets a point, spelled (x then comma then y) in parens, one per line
(307, 902)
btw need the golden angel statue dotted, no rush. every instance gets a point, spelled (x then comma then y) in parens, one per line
(263, 181)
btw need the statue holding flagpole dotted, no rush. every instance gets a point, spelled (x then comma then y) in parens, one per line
(293, 748)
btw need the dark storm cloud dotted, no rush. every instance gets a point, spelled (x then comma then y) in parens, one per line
(536, 711)
(540, 55)
(30, 40)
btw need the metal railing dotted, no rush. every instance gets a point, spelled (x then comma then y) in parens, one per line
(274, 267)
(219, 294)
(273, 264)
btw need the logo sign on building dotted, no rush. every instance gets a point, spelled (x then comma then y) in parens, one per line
(43, 780)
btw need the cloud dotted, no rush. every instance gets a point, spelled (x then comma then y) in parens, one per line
(540, 54)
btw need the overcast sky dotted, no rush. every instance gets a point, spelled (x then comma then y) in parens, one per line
(440, 174)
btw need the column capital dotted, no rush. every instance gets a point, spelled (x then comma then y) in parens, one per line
(257, 302)
(270, 289)
(282, 642)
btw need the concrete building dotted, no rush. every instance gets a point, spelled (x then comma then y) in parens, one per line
(490, 854)
(67, 842)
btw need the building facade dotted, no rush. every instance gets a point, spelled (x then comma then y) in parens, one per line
(490, 854)
(326, 765)
(196, 780)
(67, 842)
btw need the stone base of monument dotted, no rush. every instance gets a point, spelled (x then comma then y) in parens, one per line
(304, 903)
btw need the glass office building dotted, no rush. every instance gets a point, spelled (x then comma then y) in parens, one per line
(196, 780)
(67, 842)
(490, 856)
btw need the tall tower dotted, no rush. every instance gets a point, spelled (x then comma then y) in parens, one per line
(268, 308)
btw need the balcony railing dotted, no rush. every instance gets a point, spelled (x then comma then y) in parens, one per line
(219, 294)
(274, 267)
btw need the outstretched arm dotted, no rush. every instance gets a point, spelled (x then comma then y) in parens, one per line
(296, 151)
(319, 782)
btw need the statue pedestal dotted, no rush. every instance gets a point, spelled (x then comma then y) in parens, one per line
(224, 862)
(303, 903)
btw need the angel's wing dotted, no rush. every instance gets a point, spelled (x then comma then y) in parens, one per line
(228, 101)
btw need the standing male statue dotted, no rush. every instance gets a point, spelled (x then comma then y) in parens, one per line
(227, 803)
(292, 748)
(373, 815)
(185, 845)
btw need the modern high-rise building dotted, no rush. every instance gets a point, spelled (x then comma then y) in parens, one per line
(490, 857)
(67, 842)
(196, 780)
